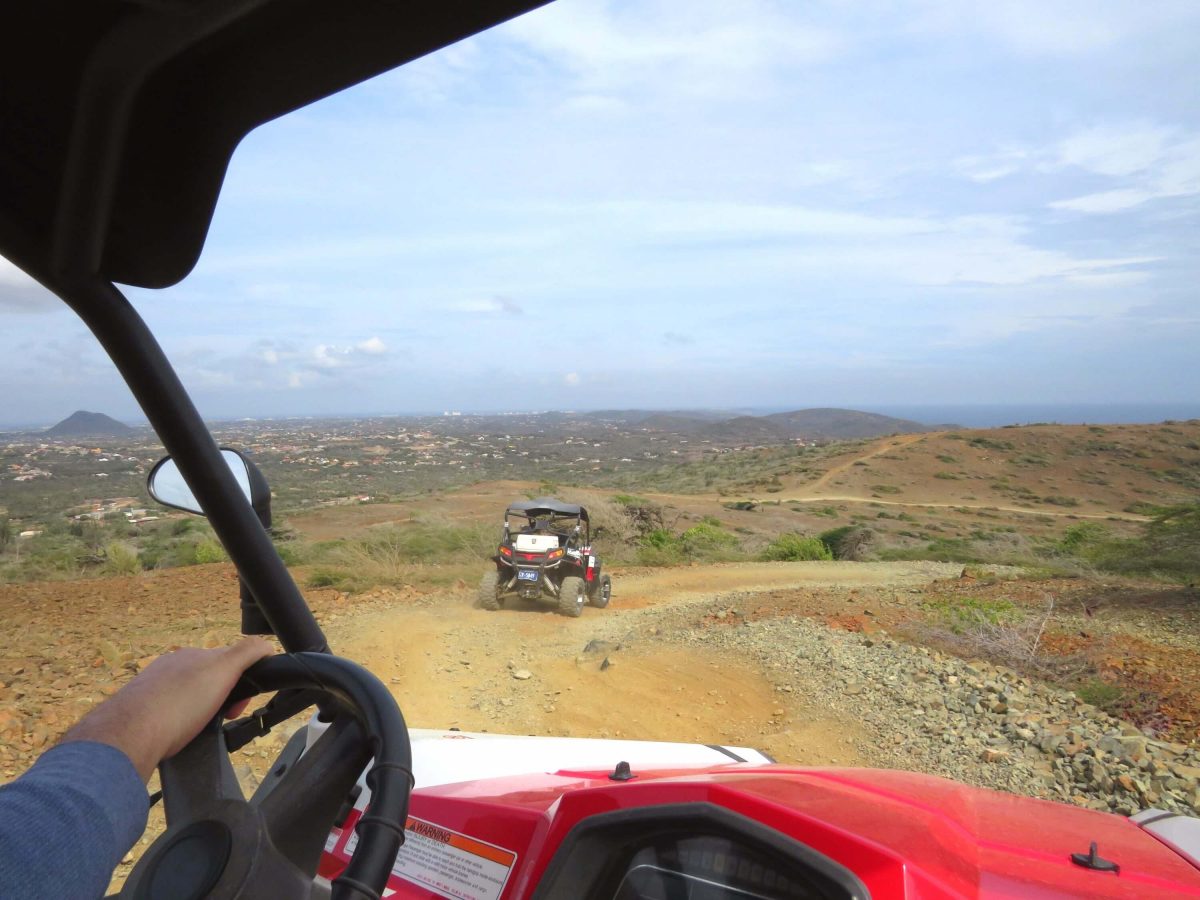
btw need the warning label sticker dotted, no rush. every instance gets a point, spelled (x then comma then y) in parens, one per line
(449, 863)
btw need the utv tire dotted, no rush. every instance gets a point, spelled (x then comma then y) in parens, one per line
(572, 595)
(489, 591)
(602, 593)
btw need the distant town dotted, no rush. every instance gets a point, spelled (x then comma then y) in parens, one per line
(322, 461)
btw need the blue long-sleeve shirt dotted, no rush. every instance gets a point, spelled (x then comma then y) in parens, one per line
(66, 823)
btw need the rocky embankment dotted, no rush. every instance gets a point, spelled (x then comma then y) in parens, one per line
(971, 721)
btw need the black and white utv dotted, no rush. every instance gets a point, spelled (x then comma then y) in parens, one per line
(546, 553)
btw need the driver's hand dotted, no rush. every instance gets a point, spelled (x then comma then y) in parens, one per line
(164, 707)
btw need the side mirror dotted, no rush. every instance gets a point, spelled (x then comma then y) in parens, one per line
(167, 486)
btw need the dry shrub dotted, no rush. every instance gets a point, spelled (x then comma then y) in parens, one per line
(612, 527)
(1001, 633)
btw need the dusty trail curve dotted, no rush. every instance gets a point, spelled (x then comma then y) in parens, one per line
(892, 444)
(451, 665)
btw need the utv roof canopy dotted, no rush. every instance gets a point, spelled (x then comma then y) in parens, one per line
(547, 506)
(119, 117)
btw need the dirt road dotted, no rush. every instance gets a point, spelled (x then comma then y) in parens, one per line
(891, 444)
(451, 665)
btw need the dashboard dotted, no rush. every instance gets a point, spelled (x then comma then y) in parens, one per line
(694, 851)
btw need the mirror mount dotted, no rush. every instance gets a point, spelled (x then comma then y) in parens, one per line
(168, 486)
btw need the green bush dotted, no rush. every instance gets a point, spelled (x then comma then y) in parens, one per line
(334, 578)
(54, 554)
(1101, 694)
(1081, 537)
(293, 553)
(1060, 500)
(659, 547)
(988, 444)
(707, 541)
(1169, 546)
(630, 500)
(659, 539)
(120, 559)
(795, 547)
(208, 551)
(967, 614)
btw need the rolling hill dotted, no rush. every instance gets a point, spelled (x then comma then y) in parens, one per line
(842, 424)
(808, 424)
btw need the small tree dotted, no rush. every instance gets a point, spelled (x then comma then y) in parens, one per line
(1172, 538)
(795, 547)
(5, 533)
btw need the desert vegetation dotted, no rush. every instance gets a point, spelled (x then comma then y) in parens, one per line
(1115, 500)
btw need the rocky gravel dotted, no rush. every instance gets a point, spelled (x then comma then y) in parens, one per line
(971, 721)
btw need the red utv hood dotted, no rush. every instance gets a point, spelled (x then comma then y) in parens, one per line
(902, 834)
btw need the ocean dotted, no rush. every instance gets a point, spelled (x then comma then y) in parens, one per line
(997, 415)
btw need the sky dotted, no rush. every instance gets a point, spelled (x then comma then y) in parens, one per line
(647, 203)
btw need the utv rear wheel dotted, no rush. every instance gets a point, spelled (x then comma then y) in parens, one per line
(602, 592)
(489, 591)
(572, 596)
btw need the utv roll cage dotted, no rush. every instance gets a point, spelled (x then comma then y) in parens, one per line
(566, 519)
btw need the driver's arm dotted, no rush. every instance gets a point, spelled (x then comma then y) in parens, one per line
(66, 823)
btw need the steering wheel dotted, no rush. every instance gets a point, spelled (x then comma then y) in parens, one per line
(220, 845)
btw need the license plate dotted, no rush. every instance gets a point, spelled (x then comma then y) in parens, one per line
(527, 575)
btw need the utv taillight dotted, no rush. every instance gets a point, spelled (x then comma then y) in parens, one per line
(555, 554)
(505, 551)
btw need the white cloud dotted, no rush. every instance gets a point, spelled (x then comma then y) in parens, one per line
(1063, 28)
(612, 46)
(1148, 162)
(270, 356)
(571, 379)
(1105, 201)
(327, 357)
(1115, 150)
(921, 250)
(490, 305)
(372, 346)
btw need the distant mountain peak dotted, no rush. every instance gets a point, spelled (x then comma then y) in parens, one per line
(82, 423)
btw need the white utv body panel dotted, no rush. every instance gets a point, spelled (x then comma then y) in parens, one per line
(536, 543)
(449, 757)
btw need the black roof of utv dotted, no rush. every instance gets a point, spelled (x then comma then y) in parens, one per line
(118, 117)
(546, 506)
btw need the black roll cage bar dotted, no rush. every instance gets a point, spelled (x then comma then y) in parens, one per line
(551, 511)
(140, 360)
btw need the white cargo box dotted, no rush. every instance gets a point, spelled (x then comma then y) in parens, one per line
(536, 543)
